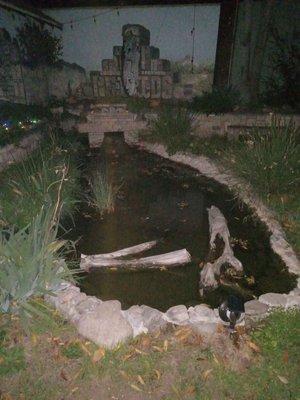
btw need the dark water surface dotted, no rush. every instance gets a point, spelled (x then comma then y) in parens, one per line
(159, 199)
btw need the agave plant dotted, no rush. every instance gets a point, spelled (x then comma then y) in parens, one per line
(31, 262)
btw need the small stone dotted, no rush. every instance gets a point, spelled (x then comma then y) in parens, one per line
(295, 292)
(293, 301)
(134, 316)
(153, 319)
(88, 305)
(255, 307)
(105, 326)
(202, 313)
(273, 299)
(177, 315)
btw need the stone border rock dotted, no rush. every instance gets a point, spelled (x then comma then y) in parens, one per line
(106, 324)
(12, 153)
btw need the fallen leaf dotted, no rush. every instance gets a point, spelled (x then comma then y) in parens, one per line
(98, 354)
(253, 346)
(34, 338)
(141, 380)
(285, 357)
(145, 342)
(166, 345)
(158, 374)
(158, 349)
(64, 375)
(127, 356)
(215, 359)
(206, 373)
(282, 379)
(190, 390)
(135, 387)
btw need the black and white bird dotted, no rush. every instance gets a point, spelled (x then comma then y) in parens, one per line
(231, 310)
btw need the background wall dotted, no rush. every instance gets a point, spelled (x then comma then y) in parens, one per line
(170, 27)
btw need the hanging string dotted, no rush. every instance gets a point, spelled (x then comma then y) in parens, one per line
(193, 39)
(73, 21)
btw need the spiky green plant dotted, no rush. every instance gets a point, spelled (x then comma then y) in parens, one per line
(103, 193)
(173, 128)
(31, 261)
(33, 183)
(269, 160)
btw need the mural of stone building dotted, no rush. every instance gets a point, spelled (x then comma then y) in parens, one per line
(135, 69)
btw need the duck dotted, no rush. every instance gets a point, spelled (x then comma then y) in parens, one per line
(231, 310)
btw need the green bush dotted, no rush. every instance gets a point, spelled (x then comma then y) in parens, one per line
(173, 128)
(31, 261)
(269, 159)
(218, 101)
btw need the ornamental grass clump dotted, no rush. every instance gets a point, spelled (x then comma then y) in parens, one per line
(31, 262)
(174, 127)
(270, 159)
(33, 183)
(103, 193)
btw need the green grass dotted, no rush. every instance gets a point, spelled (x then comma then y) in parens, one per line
(173, 128)
(103, 193)
(61, 362)
(28, 186)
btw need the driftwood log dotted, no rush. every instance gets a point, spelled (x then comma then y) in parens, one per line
(111, 261)
(139, 248)
(219, 232)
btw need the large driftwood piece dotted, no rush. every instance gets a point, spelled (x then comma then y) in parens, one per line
(174, 258)
(218, 229)
(139, 248)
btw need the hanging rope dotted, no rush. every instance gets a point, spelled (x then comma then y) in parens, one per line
(193, 39)
(93, 17)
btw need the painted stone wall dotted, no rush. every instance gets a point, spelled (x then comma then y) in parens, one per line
(135, 69)
(20, 84)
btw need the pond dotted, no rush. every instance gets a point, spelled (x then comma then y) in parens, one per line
(159, 199)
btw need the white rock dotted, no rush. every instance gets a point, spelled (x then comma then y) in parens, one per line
(255, 308)
(87, 305)
(295, 292)
(273, 299)
(292, 301)
(177, 315)
(105, 326)
(153, 319)
(202, 313)
(134, 315)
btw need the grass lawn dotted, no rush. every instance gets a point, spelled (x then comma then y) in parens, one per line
(53, 362)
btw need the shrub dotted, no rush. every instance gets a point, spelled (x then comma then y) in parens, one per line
(218, 101)
(173, 128)
(269, 160)
(103, 193)
(31, 261)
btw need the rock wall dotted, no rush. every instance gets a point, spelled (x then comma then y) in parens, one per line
(21, 84)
